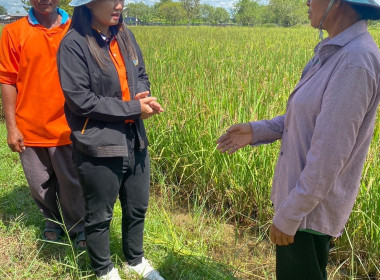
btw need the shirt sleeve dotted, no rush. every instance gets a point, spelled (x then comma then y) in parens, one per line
(9, 59)
(267, 131)
(344, 106)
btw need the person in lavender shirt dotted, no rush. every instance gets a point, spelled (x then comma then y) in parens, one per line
(325, 132)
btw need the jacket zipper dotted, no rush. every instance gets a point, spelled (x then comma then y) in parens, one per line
(84, 126)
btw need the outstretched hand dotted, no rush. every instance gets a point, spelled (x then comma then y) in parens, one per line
(236, 137)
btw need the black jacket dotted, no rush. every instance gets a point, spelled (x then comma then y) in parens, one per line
(94, 108)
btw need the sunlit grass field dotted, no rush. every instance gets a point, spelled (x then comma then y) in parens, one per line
(208, 78)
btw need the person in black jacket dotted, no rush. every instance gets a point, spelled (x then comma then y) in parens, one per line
(106, 89)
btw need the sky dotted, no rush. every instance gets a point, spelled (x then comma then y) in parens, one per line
(14, 6)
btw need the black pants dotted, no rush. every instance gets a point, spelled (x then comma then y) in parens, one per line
(102, 180)
(305, 259)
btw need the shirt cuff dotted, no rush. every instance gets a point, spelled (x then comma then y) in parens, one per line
(287, 226)
(259, 133)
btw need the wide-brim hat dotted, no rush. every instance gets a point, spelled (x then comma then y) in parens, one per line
(369, 9)
(77, 3)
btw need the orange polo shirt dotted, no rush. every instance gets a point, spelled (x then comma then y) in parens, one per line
(28, 60)
(118, 60)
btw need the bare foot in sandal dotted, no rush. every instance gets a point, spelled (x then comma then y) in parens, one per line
(80, 241)
(81, 245)
(51, 235)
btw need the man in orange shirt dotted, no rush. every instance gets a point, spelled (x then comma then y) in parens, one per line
(33, 108)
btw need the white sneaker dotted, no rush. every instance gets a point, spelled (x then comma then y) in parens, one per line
(145, 270)
(112, 275)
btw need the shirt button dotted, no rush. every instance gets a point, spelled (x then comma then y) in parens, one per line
(114, 54)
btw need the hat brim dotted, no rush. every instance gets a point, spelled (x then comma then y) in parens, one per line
(367, 9)
(77, 3)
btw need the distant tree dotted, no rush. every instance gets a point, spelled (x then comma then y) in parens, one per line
(210, 14)
(263, 14)
(206, 13)
(26, 5)
(192, 9)
(3, 10)
(288, 12)
(221, 15)
(246, 12)
(164, 1)
(64, 4)
(172, 12)
(139, 10)
(157, 5)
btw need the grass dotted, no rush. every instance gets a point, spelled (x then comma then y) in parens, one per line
(210, 78)
(184, 242)
(209, 212)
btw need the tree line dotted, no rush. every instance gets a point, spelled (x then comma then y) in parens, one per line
(244, 12)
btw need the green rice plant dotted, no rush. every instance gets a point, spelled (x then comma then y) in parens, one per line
(210, 78)
(214, 78)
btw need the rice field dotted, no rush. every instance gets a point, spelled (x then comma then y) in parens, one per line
(209, 78)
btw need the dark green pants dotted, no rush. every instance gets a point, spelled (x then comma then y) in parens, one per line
(305, 259)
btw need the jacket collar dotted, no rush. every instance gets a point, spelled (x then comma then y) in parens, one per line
(106, 39)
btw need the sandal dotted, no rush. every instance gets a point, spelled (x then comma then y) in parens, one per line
(57, 231)
(80, 237)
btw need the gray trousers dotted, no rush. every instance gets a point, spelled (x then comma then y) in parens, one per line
(52, 178)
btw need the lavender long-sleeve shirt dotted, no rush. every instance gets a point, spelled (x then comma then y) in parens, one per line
(326, 132)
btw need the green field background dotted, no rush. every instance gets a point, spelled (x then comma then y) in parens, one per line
(208, 78)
